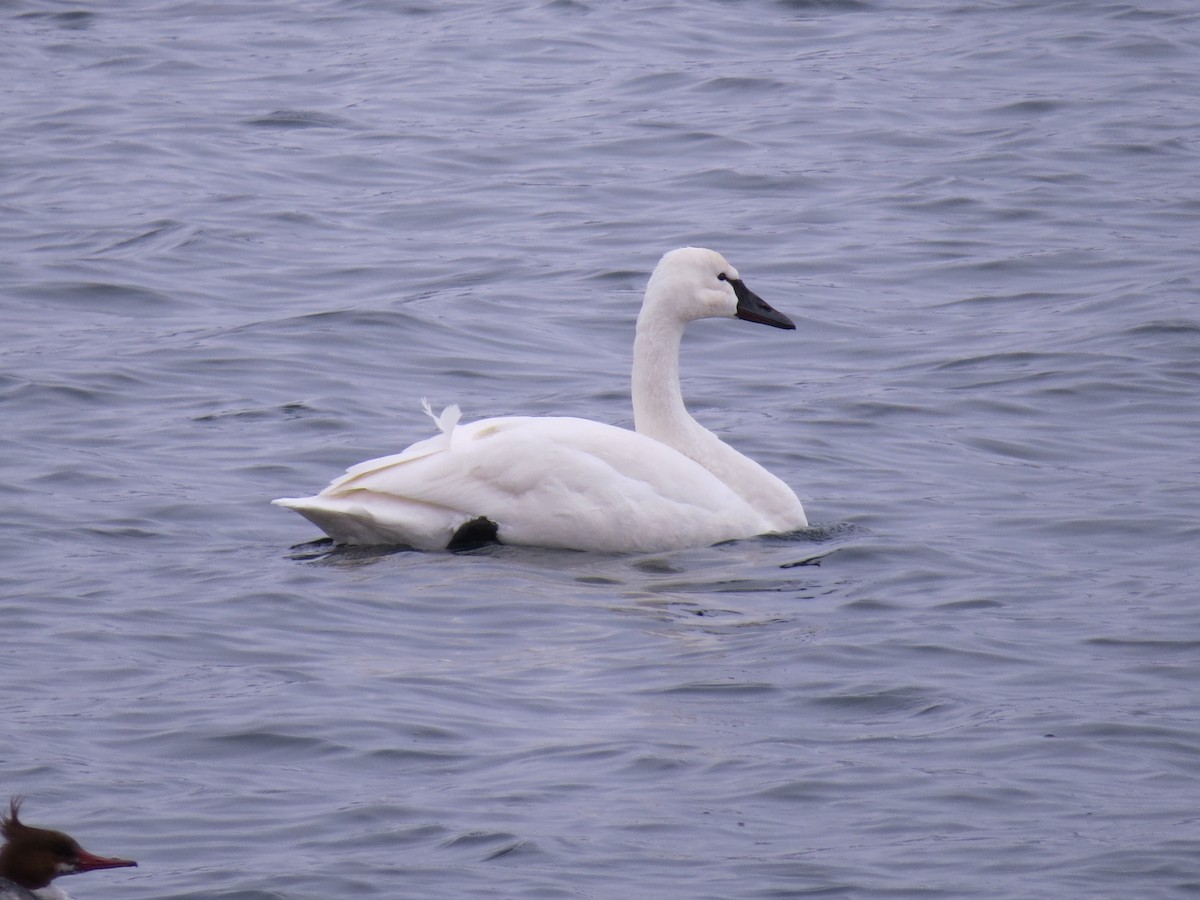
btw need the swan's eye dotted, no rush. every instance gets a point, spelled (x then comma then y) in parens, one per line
(722, 277)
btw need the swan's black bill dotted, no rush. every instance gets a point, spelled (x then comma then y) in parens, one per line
(754, 308)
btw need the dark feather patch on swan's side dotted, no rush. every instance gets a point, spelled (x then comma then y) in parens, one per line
(476, 533)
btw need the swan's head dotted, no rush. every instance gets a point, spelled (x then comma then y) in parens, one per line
(694, 283)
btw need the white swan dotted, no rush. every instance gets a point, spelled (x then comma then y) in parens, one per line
(574, 483)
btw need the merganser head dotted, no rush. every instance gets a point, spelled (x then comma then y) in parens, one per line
(33, 857)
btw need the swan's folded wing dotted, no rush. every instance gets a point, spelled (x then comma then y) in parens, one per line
(551, 482)
(565, 482)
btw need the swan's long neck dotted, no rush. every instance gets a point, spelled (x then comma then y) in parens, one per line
(658, 409)
(659, 413)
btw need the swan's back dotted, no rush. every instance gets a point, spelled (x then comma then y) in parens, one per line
(548, 482)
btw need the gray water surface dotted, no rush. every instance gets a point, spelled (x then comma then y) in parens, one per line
(239, 242)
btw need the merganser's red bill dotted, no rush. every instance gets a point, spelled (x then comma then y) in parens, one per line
(89, 861)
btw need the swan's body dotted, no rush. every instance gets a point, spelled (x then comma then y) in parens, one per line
(575, 483)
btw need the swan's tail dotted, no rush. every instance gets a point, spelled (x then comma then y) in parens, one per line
(351, 511)
(389, 521)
